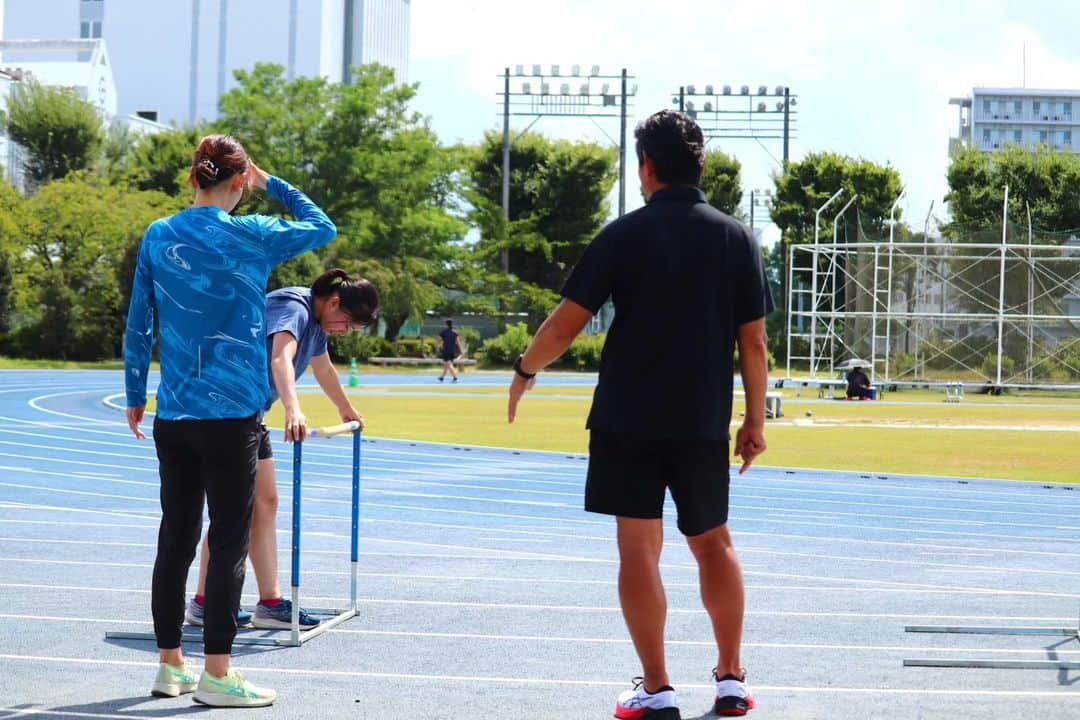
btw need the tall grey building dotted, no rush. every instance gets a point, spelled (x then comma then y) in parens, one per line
(173, 60)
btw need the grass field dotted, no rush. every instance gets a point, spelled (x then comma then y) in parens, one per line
(1028, 438)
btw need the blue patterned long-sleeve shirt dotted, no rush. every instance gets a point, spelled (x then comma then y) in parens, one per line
(203, 272)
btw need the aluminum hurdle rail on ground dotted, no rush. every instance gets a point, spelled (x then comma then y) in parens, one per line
(298, 637)
(1069, 635)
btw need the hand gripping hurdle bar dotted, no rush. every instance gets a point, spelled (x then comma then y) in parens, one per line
(337, 616)
(1068, 635)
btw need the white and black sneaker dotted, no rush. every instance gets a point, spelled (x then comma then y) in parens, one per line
(640, 704)
(733, 697)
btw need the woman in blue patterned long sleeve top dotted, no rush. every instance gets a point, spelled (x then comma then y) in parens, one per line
(202, 274)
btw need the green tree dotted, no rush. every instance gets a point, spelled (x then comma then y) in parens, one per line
(558, 203)
(376, 168)
(1045, 181)
(162, 161)
(60, 132)
(721, 182)
(11, 211)
(78, 245)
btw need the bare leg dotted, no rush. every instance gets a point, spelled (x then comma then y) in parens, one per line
(722, 593)
(641, 594)
(263, 551)
(172, 656)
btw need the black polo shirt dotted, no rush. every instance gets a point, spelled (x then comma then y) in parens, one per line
(683, 277)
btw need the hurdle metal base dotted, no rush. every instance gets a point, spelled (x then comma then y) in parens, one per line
(1007, 663)
(296, 638)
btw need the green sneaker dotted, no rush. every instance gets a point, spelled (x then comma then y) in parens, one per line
(232, 691)
(172, 681)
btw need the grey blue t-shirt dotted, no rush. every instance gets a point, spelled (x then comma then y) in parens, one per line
(292, 310)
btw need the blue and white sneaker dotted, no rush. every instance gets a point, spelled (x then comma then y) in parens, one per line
(279, 617)
(196, 612)
(640, 704)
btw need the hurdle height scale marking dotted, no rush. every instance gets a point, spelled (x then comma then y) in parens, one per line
(337, 616)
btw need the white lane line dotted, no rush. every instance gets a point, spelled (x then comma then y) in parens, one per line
(475, 499)
(520, 470)
(581, 639)
(532, 607)
(519, 462)
(544, 681)
(443, 475)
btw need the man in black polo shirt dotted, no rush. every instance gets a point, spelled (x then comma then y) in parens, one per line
(692, 280)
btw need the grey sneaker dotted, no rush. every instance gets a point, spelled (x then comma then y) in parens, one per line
(172, 681)
(231, 691)
(279, 617)
(196, 612)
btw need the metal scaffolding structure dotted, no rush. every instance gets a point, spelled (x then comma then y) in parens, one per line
(987, 314)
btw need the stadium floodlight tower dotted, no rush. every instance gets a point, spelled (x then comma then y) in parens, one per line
(559, 93)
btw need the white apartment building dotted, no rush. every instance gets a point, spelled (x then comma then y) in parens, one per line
(173, 60)
(995, 117)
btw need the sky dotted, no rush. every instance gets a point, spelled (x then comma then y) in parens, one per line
(873, 78)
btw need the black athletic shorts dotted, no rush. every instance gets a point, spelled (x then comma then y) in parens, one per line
(447, 356)
(265, 451)
(629, 472)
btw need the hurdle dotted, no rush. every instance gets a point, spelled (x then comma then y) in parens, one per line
(331, 617)
(1070, 634)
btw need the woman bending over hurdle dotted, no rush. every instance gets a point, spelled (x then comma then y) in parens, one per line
(298, 321)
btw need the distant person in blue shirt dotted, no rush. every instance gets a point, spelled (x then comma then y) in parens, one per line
(298, 321)
(451, 349)
(202, 275)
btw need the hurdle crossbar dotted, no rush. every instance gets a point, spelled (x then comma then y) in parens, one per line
(1069, 634)
(298, 637)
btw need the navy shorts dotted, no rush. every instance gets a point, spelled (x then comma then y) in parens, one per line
(630, 472)
(265, 451)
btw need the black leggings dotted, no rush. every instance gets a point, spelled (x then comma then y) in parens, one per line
(217, 459)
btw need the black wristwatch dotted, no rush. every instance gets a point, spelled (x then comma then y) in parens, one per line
(521, 373)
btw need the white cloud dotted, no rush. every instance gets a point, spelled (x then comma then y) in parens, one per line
(873, 78)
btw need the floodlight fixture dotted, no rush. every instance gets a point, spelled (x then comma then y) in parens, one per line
(690, 106)
(604, 88)
(555, 70)
(779, 90)
(762, 90)
(585, 89)
(761, 107)
(575, 70)
(633, 90)
(545, 89)
(727, 90)
(526, 88)
(690, 89)
(537, 70)
(564, 89)
(595, 70)
(780, 106)
(709, 90)
(744, 90)
(708, 107)
(519, 69)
